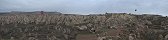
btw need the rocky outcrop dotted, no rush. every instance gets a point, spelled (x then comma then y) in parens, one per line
(80, 27)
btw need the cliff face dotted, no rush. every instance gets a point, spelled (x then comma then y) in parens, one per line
(83, 27)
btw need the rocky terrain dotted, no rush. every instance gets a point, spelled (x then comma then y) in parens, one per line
(109, 26)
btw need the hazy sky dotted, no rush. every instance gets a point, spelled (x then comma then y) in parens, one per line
(87, 6)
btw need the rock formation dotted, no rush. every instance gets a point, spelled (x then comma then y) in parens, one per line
(109, 26)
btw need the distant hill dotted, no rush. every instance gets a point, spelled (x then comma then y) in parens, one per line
(35, 12)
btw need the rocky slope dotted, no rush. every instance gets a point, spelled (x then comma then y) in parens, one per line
(109, 26)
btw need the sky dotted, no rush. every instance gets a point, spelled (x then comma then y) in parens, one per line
(87, 6)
